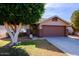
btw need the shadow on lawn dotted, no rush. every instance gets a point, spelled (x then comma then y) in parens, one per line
(43, 44)
(12, 52)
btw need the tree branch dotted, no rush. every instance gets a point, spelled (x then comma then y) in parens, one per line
(17, 32)
(8, 30)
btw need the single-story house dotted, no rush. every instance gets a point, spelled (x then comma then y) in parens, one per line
(54, 26)
(49, 27)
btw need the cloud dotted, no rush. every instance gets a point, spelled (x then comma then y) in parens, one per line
(52, 5)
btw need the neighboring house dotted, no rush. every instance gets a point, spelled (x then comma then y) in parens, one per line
(2, 31)
(54, 26)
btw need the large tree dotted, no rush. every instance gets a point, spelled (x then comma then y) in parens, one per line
(75, 20)
(15, 15)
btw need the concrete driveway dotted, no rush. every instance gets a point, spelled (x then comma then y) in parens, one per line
(68, 45)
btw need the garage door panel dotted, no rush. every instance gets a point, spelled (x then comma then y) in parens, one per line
(53, 31)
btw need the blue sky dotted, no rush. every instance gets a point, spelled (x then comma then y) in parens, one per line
(63, 10)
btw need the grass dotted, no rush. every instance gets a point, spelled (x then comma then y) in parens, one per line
(40, 48)
(34, 48)
(4, 42)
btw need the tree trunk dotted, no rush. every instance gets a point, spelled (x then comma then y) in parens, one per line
(12, 33)
(31, 34)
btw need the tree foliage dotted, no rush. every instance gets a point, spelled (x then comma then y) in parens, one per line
(75, 20)
(15, 15)
(25, 13)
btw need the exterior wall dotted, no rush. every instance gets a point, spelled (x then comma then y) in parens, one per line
(3, 35)
(69, 30)
(50, 22)
(77, 33)
(2, 31)
(40, 32)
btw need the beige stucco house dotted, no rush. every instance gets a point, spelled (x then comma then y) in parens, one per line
(54, 26)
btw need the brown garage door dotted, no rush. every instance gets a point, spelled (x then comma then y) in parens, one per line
(48, 31)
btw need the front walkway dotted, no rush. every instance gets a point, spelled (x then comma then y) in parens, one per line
(68, 45)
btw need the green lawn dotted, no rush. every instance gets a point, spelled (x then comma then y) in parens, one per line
(33, 48)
